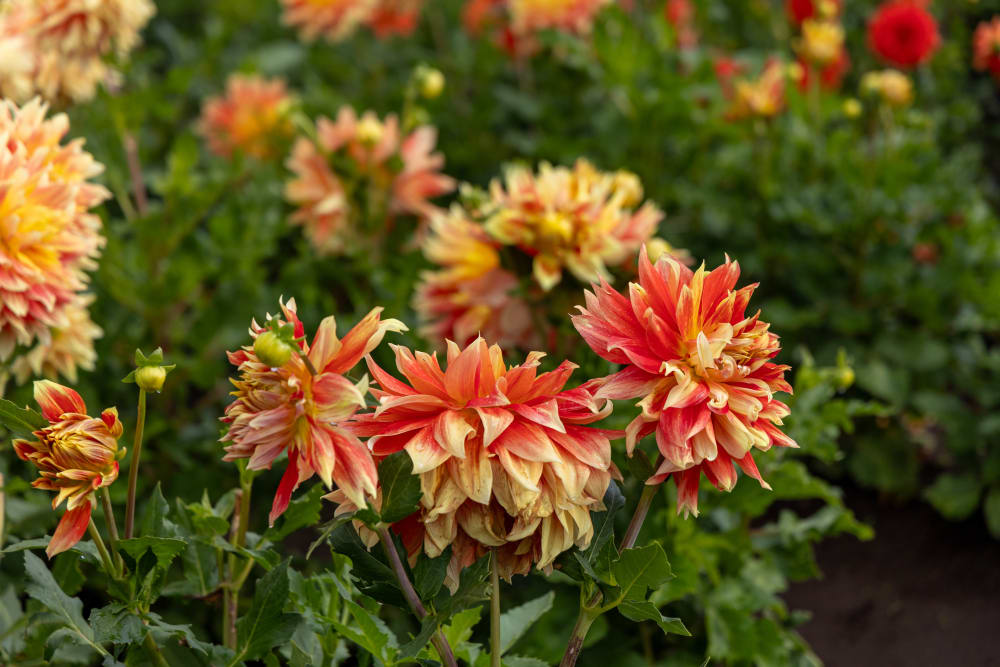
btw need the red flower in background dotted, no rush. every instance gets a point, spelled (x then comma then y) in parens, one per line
(830, 76)
(986, 47)
(680, 15)
(903, 33)
(800, 10)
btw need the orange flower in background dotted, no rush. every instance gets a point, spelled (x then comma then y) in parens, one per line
(289, 409)
(395, 17)
(70, 348)
(986, 47)
(701, 365)
(48, 236)
(822, 41)
(335, 20)
(505, 457)
(395, 175)
(903, 33)
(64, 44)
(576, 218)
(763, 97)
(680, 14)
(75, 455)
(527, 16)
(470, 295)
(252, 117)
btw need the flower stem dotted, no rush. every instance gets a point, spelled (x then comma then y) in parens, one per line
(153, 650)
(109, 518)
(579, 634)
(416, 606)
(494, 611)
(102, 550)
(641, 510)
(135, 172)
(133, 469)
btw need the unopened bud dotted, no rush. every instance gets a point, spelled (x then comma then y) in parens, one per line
(370, 130)
(852, 108)
(431, 82)
(271, 350)
(150, 378)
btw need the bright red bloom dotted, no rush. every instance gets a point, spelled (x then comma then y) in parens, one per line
(290, 409)
(986, 47)
(702, 367)
(75, 455)
(903, 32)
(505, 457)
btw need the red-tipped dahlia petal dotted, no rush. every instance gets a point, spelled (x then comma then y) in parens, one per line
(903, 32)
(288, 409)
(55, 400)
(70, 530)
(709, 394)
(503, 455)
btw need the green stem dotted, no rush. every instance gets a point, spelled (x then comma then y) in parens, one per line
(102, 550)
(416, 606)
(109, 518)
(579, 634)
(494, 611)
(153, 650)
(641, 510)
(133, 469)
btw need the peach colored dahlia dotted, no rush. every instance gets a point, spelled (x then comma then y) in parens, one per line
(505, 458)
(576, 218)
(470, 294)
(70, 348)
(393, 175)
(569, 15)
(67, 42)
(288, 409)
(48, 237)
(986, 47)
(251, 118)
(75, 455)
(701, 365)
(333, 20)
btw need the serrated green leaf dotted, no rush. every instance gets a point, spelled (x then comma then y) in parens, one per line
(115, 624)
(604, 523)
(154, 516)
(400, 487)
(166, 549)
(372, 633)
(643, 610)
(639, 569)
(266, 624)
(43, 587)
(429, 574)
(21, 422)
(515, 622)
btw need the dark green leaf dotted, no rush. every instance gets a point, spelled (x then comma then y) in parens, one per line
(642, 610)
(166, 549)
(69, 611)
(21, 422)
(400, 487)
(515, 622)
(266, 624)
(955, 496)
(639, 569)
(429, 574)
(303, 511)
(115, 624)
(154, 516)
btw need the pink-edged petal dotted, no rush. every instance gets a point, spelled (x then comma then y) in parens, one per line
(362, 339)
(289, 482)
(425, 453)
(386, 381)
(528, 442)
(325, 344)
(335, 397)
(687, 490)
(451, 430)
(544, 414)
(355, 473)
(70, 530)
(630, 382)
(55, 400)
(749, 466)
(495, 421)
(461, 380)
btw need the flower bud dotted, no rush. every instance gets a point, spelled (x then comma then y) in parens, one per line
(271, 350)
(150, 378)
(370, 130)
(852, 108)
(845, 377)
(431, 82)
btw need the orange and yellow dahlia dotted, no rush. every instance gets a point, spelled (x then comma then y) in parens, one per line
(65, 42)
(470, 294)
(702, 367)
(575, 218)
(763, 97)
(389, 175)
(986, 47)
(335, 20)
(505, 456)
(252, 117)
(527, 16)
(48, 236)
(69, 348)
(292, 409)
(75, 455)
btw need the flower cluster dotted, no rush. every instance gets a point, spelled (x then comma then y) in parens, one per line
(891, 86)
(701, 365)
(252, 118)
(821, 46)
(75, 455)
(57, 48)
(299, 406)
(763, 97)
(48, 239)
(354, 164)
(903, 33)
(515, 23)
(505, 455)
(986, 47)
(577, 220)
(335, 20)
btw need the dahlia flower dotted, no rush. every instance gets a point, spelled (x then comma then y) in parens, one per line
(395, 17)
(894, 87)
(251, 118)
(528, 16)
(335, 20)
(763, 97)
(48, 237)
(395, 175)
(903, 33)
(505, 458)
(701, 366)
(576, 218)
(830, 75)
(75, 455)
(289, 409)
(680, 15)
(800, 10)
(65, 42)
(470, 295)
(986, 47)
(69, 348)
(822, 42)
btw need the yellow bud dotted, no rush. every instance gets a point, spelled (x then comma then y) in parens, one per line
(150, 378)
(845, 377)
(271, 350)
(431, 82)
(796, 72)
(852, 108)
(370, 130)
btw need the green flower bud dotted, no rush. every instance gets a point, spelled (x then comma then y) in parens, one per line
(150, 378)
(271, 349)
(431, 82)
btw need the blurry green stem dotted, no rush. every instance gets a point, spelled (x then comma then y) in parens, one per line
(154, 651)
(238, 536)
(495, 639)
(133, 469)
(102, 550)
(109, 518)
(135, 172)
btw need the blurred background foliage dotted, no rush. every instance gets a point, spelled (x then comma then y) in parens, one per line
(874, 239)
